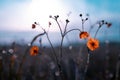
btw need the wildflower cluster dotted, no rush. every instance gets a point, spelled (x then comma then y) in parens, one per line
(92, 43)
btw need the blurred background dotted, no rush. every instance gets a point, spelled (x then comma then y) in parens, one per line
(17, 17)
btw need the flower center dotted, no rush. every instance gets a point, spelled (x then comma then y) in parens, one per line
(35, 51)
(93, 44)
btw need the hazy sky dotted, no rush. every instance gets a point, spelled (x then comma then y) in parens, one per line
(20, 14)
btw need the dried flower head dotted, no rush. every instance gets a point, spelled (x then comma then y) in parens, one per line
(80, 15)
(67, 21)
(35, 22)
(56, 17)
(49, 23)
(83, 35)
(33, 26)
(34, 50)
(109, 24)
(50, 16)
(86, 19)
(92, 44)
(103, 21)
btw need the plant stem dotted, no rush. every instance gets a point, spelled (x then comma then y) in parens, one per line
(59, 27)
(20, 66)
(83, 25)
(117, 69)
(91, 27)
(97, 31)
(65, 33)
(65, 27)
(86, 67)
(54, 53)
(61, 47)
(87, 64)
(56, 59)
(72, 30)
(24, 56)
(37, 37)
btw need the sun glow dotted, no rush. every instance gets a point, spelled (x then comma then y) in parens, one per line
(40, 10)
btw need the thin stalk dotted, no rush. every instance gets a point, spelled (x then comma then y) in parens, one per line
(61, 39)
(54, 53)
(24, 56)
(65, 33)
(20, 66)
(65, 27)
(61, 46)
(57, 61)
(62, 36)
(37, 37)
(100, 25)
(82, 24)
(71, 30)
(87, 63)
(117, 70)
(91, 27)
(88, 60)
(97, 31)
(59, 27)
(90, 23)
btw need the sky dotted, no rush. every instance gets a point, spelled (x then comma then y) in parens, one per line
(18, 15)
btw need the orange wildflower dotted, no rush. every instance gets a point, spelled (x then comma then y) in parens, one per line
(92, 44)
(33, 26)
(83, 35)
(34, 50)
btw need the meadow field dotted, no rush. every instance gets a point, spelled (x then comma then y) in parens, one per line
(104, 62)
